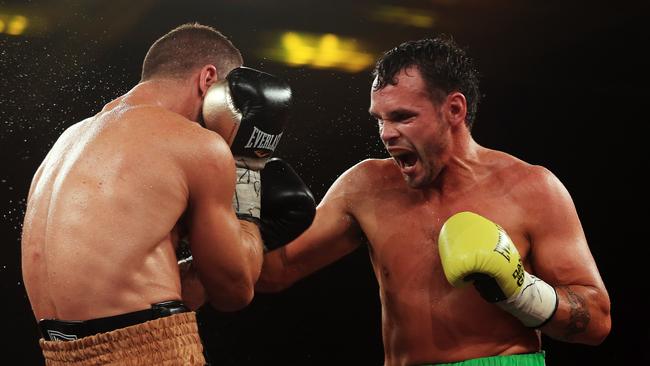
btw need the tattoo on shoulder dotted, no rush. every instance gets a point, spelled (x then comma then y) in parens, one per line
(579, 316)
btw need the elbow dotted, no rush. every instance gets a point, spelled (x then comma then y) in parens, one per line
(600, 330)
(269, 283)
(597, 335)
(276, 274)
(266, 286)
(585, 320)
(236, 296)
(599, 327)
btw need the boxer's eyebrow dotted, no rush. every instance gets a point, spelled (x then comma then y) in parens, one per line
(399, 114)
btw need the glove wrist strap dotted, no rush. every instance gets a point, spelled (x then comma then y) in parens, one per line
(534, 305)
(247, 162)
(246, 200)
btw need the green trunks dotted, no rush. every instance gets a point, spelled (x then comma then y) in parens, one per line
(525, 359)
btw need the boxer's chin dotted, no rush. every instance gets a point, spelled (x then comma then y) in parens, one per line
(418, 175)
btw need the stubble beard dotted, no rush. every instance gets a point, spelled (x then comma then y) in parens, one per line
(429, 172)
(430, 163)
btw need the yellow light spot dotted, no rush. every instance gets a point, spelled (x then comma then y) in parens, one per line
(17, 25)
(2, 26)
(406, 16)
(320, 51)
(421, 21)
(297, 52)
(328, 51)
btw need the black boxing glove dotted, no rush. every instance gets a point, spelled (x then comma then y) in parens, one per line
(288, 206)
(250, 110)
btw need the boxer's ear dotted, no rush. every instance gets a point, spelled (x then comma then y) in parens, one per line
(207, 76)
(454, 108)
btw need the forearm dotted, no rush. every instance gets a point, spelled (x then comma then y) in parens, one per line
(285, 266)
(274, 276)
(253, 249)
(192, 290)
(226, 279)
(582, 315)
(332, 235)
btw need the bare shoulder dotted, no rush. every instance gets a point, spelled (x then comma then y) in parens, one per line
(192, 141)
(201, 154)
(534, 186)
(69, 136)
(519, 173)
(354, 186)
(203, 151)
(370, 168)
(364, 175)
(72, 131)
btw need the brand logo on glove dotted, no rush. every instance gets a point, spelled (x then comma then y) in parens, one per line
(262, 153)
(502, 246)
(262, 140)
(518, 274)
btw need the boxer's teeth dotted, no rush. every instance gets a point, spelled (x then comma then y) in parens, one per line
(409, 159)
(406, 160)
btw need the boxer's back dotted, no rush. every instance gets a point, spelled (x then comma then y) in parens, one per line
(102, 206)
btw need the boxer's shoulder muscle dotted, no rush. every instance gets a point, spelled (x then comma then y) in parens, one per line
(202, 151)
(523, 180)
(528, 195)
(531, 184)
(511, 169)
(168, 134)
(360, 181)
(369, 173)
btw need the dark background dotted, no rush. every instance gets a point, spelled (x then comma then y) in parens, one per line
(564, 87)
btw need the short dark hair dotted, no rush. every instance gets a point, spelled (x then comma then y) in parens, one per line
(188, 47)
(444, 66)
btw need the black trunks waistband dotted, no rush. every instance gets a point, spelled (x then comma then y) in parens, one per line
(61, 330)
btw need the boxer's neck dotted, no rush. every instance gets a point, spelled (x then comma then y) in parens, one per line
(170, 94)
(462, 167)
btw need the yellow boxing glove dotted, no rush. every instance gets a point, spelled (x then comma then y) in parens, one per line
(474, 249)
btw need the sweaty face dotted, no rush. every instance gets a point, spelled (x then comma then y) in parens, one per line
(411, 127)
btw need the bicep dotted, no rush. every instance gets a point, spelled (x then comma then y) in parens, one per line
(214, 231)
(215, 235)
(560, 253)
(561, 257)
(333, 234)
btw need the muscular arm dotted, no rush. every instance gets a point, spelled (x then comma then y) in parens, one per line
(560, 256)
(333, 234)
(227, 252)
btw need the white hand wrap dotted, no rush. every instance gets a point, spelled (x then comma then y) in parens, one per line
(534, 304)
(246, 200)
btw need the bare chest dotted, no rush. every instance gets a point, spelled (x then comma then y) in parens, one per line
(402, 229)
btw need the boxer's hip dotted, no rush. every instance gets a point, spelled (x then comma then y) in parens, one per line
(165, 334)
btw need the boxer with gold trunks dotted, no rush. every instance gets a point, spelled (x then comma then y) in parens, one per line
(119, 190)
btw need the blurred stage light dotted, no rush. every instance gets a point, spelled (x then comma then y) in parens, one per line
(406, 16)
(319, 51)
(14, 25)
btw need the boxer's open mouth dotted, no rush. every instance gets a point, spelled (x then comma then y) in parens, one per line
(405, 159)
